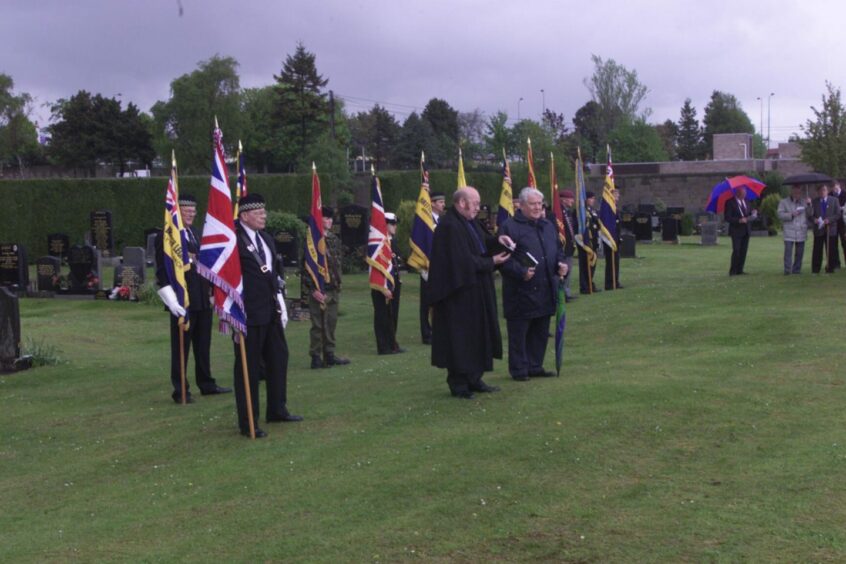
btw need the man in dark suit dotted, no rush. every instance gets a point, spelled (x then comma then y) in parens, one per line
(386, 307)
(200, 312)
(612, 270)
(264, 306)
(738, 214)
(826, 212)
(840, 194)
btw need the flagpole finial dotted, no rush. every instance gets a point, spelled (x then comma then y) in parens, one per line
(216, 126)
(173, 158)
(372, 170)
(503, 154)
(529, 140)
(422, 156)
(313, 167)
(459, 151)
(240, 147)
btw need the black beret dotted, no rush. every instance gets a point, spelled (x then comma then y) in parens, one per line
(251, 201)
(327, 211)
(187, 200)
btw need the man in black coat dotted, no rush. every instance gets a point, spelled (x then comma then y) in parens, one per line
(465, 326)
(568, 199)
(826, 212)
(438, 206)
(264, 306)
(612, 270)
(200, 312)
(530, 279)
(739, 214)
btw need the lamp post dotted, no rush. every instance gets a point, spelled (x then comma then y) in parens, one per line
(543, 103)
(518, 108)
(761, 126)
(769, 98)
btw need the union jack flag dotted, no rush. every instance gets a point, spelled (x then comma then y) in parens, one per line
(219, 260)
(379, 254)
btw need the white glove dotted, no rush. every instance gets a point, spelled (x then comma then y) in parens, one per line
(424, 274)
(283, 309)
(168, 296)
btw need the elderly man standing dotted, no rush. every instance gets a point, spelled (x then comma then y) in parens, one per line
(529, 285)
(794, 213)
(465, 327)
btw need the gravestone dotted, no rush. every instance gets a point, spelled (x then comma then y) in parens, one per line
(643, 227)
(702, 217)
(150, 245)
(670, 231)
(48, 270)
(627, 220)
(84, 277)
(287, 246)
(354, 226)
(14, 268)
(136, 257)
(58, 245)
(709, 233)
(627, 245)
(10, 334)
(130, 277)
(101, 233)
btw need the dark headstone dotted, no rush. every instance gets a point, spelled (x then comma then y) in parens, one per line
(48, 270)
(150, 242)
(58, 245)
(643, 227)
(129, 277)
(288, 246)
(84, 277)
(101, 233)
(670, 230)
(10, 334)
(14, 268)
(136, 257)
(627, 245)
(354, 225)
(627, 220)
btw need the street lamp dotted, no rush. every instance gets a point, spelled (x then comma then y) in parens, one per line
(543, 103)
(518, 108)
(761, 126)
(769, 98)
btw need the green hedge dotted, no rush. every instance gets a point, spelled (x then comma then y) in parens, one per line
(33, 208)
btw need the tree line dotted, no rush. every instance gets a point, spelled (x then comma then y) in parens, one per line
(296, 119)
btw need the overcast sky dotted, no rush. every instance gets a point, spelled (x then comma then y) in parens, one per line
(473, 53)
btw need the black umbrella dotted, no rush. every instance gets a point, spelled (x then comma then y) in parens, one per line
(808, 178)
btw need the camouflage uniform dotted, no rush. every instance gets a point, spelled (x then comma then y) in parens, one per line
(333, 291)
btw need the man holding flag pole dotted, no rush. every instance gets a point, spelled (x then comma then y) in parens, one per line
(380, 260)
(184, 293)
(420, 242)
(609, 228)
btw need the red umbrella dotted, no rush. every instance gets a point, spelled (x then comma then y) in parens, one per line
(725, 190)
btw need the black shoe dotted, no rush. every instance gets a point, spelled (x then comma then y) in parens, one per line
(620, 286)
(178, 399)
(336, 360)
(483, 388)
(216, 390)
(259, 433)
(585, 292)
(542, 374)
(286, 417)
(522, 378)
(316, 361)
(463, 394)
(596, 290)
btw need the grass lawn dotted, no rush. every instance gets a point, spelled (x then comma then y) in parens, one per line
(699, 418)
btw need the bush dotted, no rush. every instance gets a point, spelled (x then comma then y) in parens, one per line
(769, 210)
(405, 218)
(278, 220)
(686, 224)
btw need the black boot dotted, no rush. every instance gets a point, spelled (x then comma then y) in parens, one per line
(316, 361)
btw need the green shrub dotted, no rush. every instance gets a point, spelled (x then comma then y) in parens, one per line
(278, 220)
(686, 224)
(769, 210)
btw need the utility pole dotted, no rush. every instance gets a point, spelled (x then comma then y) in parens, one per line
(332, 112)
(761, 126)
(769, 98)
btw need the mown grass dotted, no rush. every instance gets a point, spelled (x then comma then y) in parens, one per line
(699, 418)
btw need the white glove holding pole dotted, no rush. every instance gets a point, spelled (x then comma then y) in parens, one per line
(283, 309)
(168, 296)
(424, 274)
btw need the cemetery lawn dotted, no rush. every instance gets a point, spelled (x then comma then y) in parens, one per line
(698, 418)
